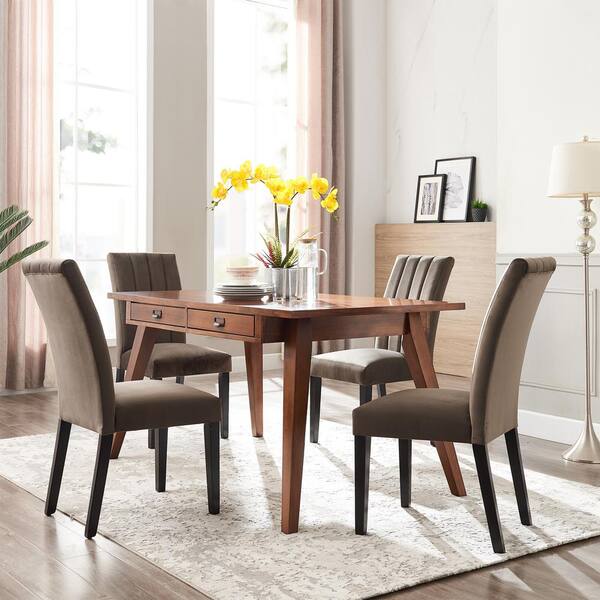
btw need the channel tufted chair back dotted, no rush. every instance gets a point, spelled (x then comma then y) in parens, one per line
(501, 348)
(141, 272)
(418, 278)
(83, 370)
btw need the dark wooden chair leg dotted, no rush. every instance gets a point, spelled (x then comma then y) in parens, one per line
(365, 394)
(362, 457)
(405, 455)
(98, 483)
(180, 379)
(211, 451)
(120, 375)
(224, 398)
(58, 464)
(484, 473)
(315, 408)
(381, 390)
(151, 438)
(516, 467)
(160, 459)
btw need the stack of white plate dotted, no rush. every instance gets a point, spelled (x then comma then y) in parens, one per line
(235, 290)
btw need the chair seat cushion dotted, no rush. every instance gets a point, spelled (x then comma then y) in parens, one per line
(365, 366)
(172, 359)
(419, 414)
(150, 404)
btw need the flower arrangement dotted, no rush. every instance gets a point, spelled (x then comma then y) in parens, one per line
(276, 254)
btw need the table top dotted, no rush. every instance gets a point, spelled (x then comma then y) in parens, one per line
(326, 305)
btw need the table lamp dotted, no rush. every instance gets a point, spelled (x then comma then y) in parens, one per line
(575, 173)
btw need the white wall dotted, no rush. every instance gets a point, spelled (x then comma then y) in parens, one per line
(180, 180)
(365, 121)
(441, 94)
(548, 90)
(504, 80)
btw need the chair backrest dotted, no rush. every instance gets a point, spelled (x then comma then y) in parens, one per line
(83, 371)
(141, 272)
(417, 278)
(501, 347)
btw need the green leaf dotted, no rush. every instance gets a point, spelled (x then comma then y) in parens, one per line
(13, 217)
(19, 256)
(13, 233)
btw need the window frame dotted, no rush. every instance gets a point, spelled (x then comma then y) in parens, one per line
(141, 96)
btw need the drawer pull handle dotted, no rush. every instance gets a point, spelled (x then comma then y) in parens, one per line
(156, 313)
(219, 322)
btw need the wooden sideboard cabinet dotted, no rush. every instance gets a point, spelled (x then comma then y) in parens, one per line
(473, 279)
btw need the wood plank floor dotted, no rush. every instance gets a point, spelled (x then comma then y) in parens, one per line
(44, 557)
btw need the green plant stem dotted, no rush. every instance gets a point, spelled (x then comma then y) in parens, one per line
(287, 229)
(276, 221)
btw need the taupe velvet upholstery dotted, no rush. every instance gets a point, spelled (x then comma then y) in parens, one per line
(364, 366)
(153, 404)
(413, 277)
(419, 414)
(490, 408)
(171, 357)
(86, 394)
(81, 360)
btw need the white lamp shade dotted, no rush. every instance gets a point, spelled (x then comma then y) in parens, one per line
(575, 170)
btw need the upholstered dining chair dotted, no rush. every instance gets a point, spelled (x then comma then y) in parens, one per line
(171, 356)
(414, 277)
(87, 396)
(476, 417)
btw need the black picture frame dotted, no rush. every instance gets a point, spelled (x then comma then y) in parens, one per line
(439, 190)
(458, 214)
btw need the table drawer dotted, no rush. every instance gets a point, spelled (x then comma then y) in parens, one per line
(209, 320)
(168, 315)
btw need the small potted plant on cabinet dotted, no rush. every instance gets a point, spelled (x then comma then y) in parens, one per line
(478, 210)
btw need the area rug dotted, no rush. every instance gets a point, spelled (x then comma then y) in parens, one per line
(241, 552)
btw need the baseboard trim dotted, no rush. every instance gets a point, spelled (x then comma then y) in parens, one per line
(551, 427)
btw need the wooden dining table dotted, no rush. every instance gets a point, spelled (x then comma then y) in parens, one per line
(297, 325)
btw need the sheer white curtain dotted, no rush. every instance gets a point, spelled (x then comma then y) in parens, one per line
(27, 151)
(320, 125)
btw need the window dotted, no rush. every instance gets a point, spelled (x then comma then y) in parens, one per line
(252, 115)
(100, 104)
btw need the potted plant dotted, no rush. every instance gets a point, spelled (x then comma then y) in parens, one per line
(13, 222)
(478, 210)
(280, 252)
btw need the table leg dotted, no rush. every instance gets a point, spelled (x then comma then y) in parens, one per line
(296, 373)
(420, 363)
(254, 373)
(141, 350)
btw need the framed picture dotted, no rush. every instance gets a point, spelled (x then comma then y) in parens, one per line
(430, 198)
(460, 180)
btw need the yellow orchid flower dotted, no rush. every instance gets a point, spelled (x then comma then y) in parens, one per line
(330, 203)
(275, 185)
(225, 175)
(319, 186)
(219, 192)
(246, 169)
(284, 195)
(239, 181)
(272, 172)
(300, 184)
(261, 173)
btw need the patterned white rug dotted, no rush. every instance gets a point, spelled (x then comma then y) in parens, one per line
(241, 553)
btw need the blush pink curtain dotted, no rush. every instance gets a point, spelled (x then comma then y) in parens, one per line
(320, 126)
(28, 179)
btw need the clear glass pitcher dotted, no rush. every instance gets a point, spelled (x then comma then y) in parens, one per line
(309, 251)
